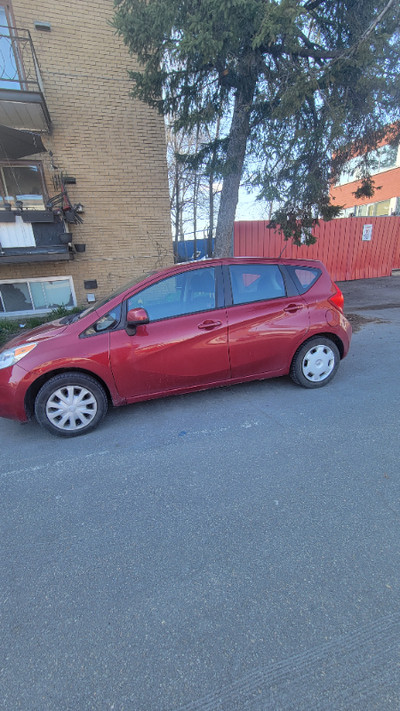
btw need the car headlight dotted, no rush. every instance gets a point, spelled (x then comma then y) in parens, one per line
(12, 355)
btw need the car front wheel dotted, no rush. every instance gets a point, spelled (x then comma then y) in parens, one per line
(315, 363)
(70, 404)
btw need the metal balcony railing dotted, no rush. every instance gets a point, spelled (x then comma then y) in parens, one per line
(20, 78)
(19, 67)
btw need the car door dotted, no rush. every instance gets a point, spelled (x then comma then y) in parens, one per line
(184, 345)
(264, 323)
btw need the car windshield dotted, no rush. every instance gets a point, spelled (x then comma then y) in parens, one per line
(72, 318)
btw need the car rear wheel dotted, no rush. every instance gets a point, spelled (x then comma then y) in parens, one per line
(70, 404)
(315, 363)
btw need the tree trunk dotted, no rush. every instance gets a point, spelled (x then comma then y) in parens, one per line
(211, 214)
(177, 209)
(211, 195)
(195, 191)
(196, 184)
(239, 133)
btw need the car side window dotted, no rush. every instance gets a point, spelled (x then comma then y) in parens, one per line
(256, 282)
(177, 295)
(105, 323)
(304, 277)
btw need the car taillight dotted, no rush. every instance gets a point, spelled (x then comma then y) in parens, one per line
(337, 299)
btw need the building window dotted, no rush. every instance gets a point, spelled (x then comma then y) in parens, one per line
(10, 60)
(348, 212)
(382, 159)
(22, 181)
(36, 295)
(374, 209)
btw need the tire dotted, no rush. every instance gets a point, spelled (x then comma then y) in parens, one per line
(315, 363)
(70, 404)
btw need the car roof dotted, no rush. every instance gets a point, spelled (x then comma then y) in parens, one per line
(216, 261)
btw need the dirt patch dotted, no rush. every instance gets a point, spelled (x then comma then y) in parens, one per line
(357, 321)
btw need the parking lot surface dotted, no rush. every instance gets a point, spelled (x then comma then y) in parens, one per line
(232, 549)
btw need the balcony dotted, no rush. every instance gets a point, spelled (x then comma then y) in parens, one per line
(27, 255)
(22, 102)
(39, 240)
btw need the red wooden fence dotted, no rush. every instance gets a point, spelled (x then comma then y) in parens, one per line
(341, 245)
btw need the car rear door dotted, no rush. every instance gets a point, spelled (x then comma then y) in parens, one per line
(265, 324)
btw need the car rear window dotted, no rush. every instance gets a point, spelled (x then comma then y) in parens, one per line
(304, 277)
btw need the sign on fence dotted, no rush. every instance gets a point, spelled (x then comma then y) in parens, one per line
(367, 233)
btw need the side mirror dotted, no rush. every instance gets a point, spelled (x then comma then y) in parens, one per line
(137, 317)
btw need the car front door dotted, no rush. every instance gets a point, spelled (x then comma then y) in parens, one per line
(264, 323)
(184, 345)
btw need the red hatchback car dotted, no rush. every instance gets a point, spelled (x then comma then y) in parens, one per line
(188, 327)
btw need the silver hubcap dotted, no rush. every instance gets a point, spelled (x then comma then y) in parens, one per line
(318, 363)
(71, 407)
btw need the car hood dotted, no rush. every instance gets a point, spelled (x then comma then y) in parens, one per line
(40, 333)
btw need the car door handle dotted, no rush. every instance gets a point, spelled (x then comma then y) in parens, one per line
(292, 308)
(209, 324)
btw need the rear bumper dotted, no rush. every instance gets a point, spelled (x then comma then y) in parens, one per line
(345, 335)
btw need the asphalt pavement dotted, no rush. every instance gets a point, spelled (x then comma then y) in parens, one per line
(230, 550)
(371, 294)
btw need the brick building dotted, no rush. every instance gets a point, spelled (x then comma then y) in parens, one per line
(84, 200)
(385, 171)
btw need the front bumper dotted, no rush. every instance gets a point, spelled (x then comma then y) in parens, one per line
(14, 382)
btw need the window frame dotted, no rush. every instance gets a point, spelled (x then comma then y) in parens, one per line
(9, 14)
(351, 171)
(34, 311)
(300, 289)
(120, 323)
(219, 292)
(289, 287)
(24, 163)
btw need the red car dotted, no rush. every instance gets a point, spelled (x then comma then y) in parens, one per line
(188, 327)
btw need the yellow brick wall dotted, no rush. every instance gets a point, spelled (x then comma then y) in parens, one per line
(113, 146)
